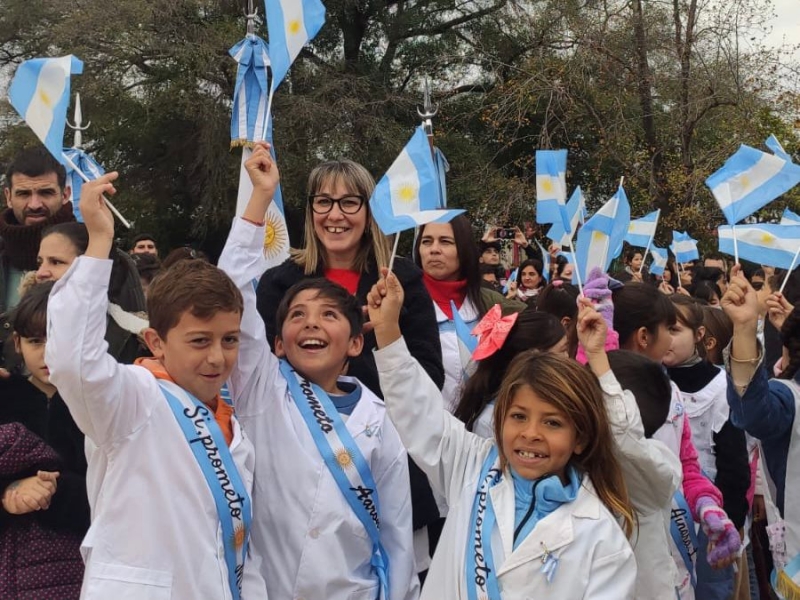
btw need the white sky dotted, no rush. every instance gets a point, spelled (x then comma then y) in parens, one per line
(786, 24)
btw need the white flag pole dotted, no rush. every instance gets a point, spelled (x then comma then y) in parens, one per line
(87, 180)
(577, 270)
(735, 245)
(394, 251)
(789, 272)
(649, 243)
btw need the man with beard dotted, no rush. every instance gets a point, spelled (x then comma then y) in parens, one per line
(37, 196)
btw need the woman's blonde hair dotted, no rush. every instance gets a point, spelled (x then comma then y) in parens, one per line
(575, 391)
(357, 179)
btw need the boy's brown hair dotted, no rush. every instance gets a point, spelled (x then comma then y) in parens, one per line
(190, 285)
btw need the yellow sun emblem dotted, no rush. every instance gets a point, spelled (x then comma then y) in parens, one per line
(45, 98)
(744, 181)
(546, 185)
(767, 238)
(598, 236)
(294, 27)
(406, 193)
(344, 458)
(239, 535)
(276, 236)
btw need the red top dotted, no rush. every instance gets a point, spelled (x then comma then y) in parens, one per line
(442, 292)
(344, 277)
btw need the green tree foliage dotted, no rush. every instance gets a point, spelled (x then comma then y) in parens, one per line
(659, 92)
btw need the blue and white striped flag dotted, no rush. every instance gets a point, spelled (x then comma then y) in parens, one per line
(600, 239)
(777, 149)
(90, 167)
(511, 279)
(249, 114)
(545, 263)
(290, 25)
(39, 92)
(407, 196)
(789, 218)
(551, 187)
(660, 258)
(442, 167)
(576, 213)
(764, 243)
(642, 231)
(684, 247)
(749, 180)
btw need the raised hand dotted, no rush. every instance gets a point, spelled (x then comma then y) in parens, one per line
(97, 216)
(740, 302)
(264, 176)
(778, 308)
(591, 327)
(519, 237)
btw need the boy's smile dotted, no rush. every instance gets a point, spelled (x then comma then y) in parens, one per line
(199, 354)
(316, 339)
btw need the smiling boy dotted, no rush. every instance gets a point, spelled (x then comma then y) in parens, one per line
(331, 480)
(170, 479)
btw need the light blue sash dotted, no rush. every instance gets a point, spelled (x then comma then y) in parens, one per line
(214, 458)
(684, 536)
(480, 572)
(344, 460)
(783, 582)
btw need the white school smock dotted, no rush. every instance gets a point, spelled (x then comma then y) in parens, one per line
(595, 559)
(451, 357)
(312, 544)
(708, 411)
(155, 531)
(652, 474)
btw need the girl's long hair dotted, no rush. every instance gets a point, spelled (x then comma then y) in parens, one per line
(532, 330)
(790, 337)
(690, 314)
(575, 391)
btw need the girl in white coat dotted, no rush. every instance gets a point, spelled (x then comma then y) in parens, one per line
(531, 512)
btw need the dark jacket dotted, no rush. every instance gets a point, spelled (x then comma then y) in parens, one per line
(37, 561)
(419, 328)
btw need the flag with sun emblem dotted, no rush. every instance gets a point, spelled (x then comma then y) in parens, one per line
(764, 243)
(551, 188)
(39, 92)
(600, 238)
(290, 25)
(749, 180)
(408, 195)
(684, 247)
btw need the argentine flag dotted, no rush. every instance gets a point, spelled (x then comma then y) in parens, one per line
(684, 247)
(642, 231)
(545, 263)
(90, 167)
(407, 196)
(773, 144)
(576, 213)
(600, 238)
(789, 218)
(39, 92)
(551, 187)
(290, 25)
(764, 243)
(749, 180)
(660, 258)
(249, 114)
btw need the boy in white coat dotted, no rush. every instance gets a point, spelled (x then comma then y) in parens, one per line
(172, 470)
(575, 549)
(314, 542)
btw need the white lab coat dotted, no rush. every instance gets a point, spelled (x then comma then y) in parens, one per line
(155, 531)
(652, 474)
(313, 545)
(451, 356)
(596, 560)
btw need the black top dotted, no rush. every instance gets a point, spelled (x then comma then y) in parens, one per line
(22, 402)
(730, 445)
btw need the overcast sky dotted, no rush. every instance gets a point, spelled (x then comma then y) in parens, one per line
(786, 25)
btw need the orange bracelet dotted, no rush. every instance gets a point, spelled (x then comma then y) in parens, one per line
(256, 223)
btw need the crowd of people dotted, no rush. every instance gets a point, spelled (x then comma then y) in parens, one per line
(322, 428)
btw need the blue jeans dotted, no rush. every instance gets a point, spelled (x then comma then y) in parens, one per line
(712, 584)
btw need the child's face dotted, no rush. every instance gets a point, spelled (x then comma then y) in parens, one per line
(538, 438)
(659, 345)
(636, 262)
(32, 351)
(316, 339)
(683, 343)
(199, 354)
(56, 254)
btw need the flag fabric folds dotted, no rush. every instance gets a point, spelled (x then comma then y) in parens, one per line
(764, 243)
(641, 231)
(442, 168)
(90, 167)
(545, 263)
(248, 117)
(749, 180)
(660, 258)
(511, 279)
(551, 187)
(684, 247)
(290, 24)
(576, 213)
(600, 239)
(789, 218)
(775, 146)
(408, 194)
(40, 93)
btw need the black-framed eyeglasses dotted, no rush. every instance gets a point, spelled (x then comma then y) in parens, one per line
(323, 204)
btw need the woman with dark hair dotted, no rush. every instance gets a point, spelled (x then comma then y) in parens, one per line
(530, 281)
(532, 330)
(451, 274)
(632, 260)
(560, 299)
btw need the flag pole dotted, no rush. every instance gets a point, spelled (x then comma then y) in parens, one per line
(649, 243)
(577, 270)
(87, 180)
(789, 272)
(394, 251)
(735, 245)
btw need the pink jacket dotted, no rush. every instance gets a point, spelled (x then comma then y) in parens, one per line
(695, 484)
